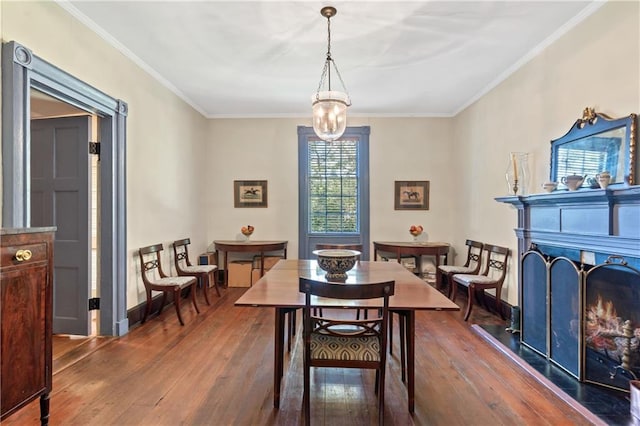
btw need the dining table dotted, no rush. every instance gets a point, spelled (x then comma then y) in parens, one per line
(279, 289)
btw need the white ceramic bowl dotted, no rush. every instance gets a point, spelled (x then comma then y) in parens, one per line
(336, 262)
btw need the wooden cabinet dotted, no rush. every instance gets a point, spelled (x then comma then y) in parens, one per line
(26, 277)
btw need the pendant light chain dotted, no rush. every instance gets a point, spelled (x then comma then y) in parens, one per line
(329, 50)
(326, 69)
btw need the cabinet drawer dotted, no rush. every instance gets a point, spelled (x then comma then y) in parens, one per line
(8, 254)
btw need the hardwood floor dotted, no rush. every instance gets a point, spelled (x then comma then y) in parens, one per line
(218, 370)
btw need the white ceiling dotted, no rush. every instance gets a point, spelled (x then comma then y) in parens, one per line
(264, 58)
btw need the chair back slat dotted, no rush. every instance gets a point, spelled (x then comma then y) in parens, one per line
(152, 264)
(181, 252)
(497, 260)
(148, 265)
(335, 290)
(474, 255)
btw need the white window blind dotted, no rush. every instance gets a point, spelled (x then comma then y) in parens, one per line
(333, 186)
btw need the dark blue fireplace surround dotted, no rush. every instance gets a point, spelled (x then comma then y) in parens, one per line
(562, 235)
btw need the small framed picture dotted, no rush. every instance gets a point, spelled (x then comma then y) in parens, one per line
(249, 193)
(412, 195)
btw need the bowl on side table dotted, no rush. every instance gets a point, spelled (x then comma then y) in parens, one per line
(336, 262)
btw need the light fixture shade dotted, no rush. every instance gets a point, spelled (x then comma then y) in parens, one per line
(330, 114)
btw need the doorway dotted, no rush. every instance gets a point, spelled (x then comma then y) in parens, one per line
(21, 72)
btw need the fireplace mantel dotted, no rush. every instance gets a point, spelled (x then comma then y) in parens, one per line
(602, 222)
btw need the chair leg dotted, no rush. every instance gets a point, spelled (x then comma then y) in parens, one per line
(453, 290)
(147, 309)
(390, 333)
(164, 301)
(215, 282)
(377, 385)
(204, 281)
(306, 398)
(176, 303)
(193, 296)
(381, 398)
(499, 302)
(471, 292)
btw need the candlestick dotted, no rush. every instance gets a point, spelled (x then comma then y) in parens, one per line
(517, 174)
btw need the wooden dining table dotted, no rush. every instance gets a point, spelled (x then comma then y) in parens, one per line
(279, 288)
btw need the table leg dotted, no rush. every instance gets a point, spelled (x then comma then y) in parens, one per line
(278, 357)
(391, 333)
(403, 352)
(411, 350)
(226, 271)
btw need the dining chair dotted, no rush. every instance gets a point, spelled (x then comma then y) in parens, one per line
(204, 273)
(492, 276)
(345, 343)
(162, 282)
(471, 266)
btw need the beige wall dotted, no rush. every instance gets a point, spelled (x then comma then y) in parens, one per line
(596, 64)
(181, 167)
(165, 136)
(400, 149)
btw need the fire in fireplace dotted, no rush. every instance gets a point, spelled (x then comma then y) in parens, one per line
(612, 325)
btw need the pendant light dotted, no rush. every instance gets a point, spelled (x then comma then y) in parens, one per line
(329, 106)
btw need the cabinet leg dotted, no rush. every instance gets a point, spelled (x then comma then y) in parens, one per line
(44, 409)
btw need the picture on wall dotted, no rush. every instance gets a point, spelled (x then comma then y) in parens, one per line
(412, 195)
(250, 193)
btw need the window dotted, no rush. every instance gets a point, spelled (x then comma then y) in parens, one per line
(332, 174)
(334, 189)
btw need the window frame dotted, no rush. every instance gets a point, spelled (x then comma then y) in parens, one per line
(307, 240)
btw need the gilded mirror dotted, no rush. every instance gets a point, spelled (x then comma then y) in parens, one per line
(596, 143)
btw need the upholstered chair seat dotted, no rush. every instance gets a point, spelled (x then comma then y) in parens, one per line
(328, 347)
(199, 269)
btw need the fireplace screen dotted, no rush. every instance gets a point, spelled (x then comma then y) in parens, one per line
(564, 290)
(612, 325)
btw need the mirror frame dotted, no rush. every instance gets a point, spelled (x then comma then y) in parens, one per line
(591, 124)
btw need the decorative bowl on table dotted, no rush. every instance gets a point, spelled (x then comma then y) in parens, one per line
(247, 231)
(336, 262)
(416, 231)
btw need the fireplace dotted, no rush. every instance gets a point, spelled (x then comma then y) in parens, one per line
(584, 319)
(579, 281)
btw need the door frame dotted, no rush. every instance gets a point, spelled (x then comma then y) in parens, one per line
(21, 71)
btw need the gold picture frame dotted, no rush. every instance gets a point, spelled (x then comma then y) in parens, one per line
(249, 193)
(412, 195)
